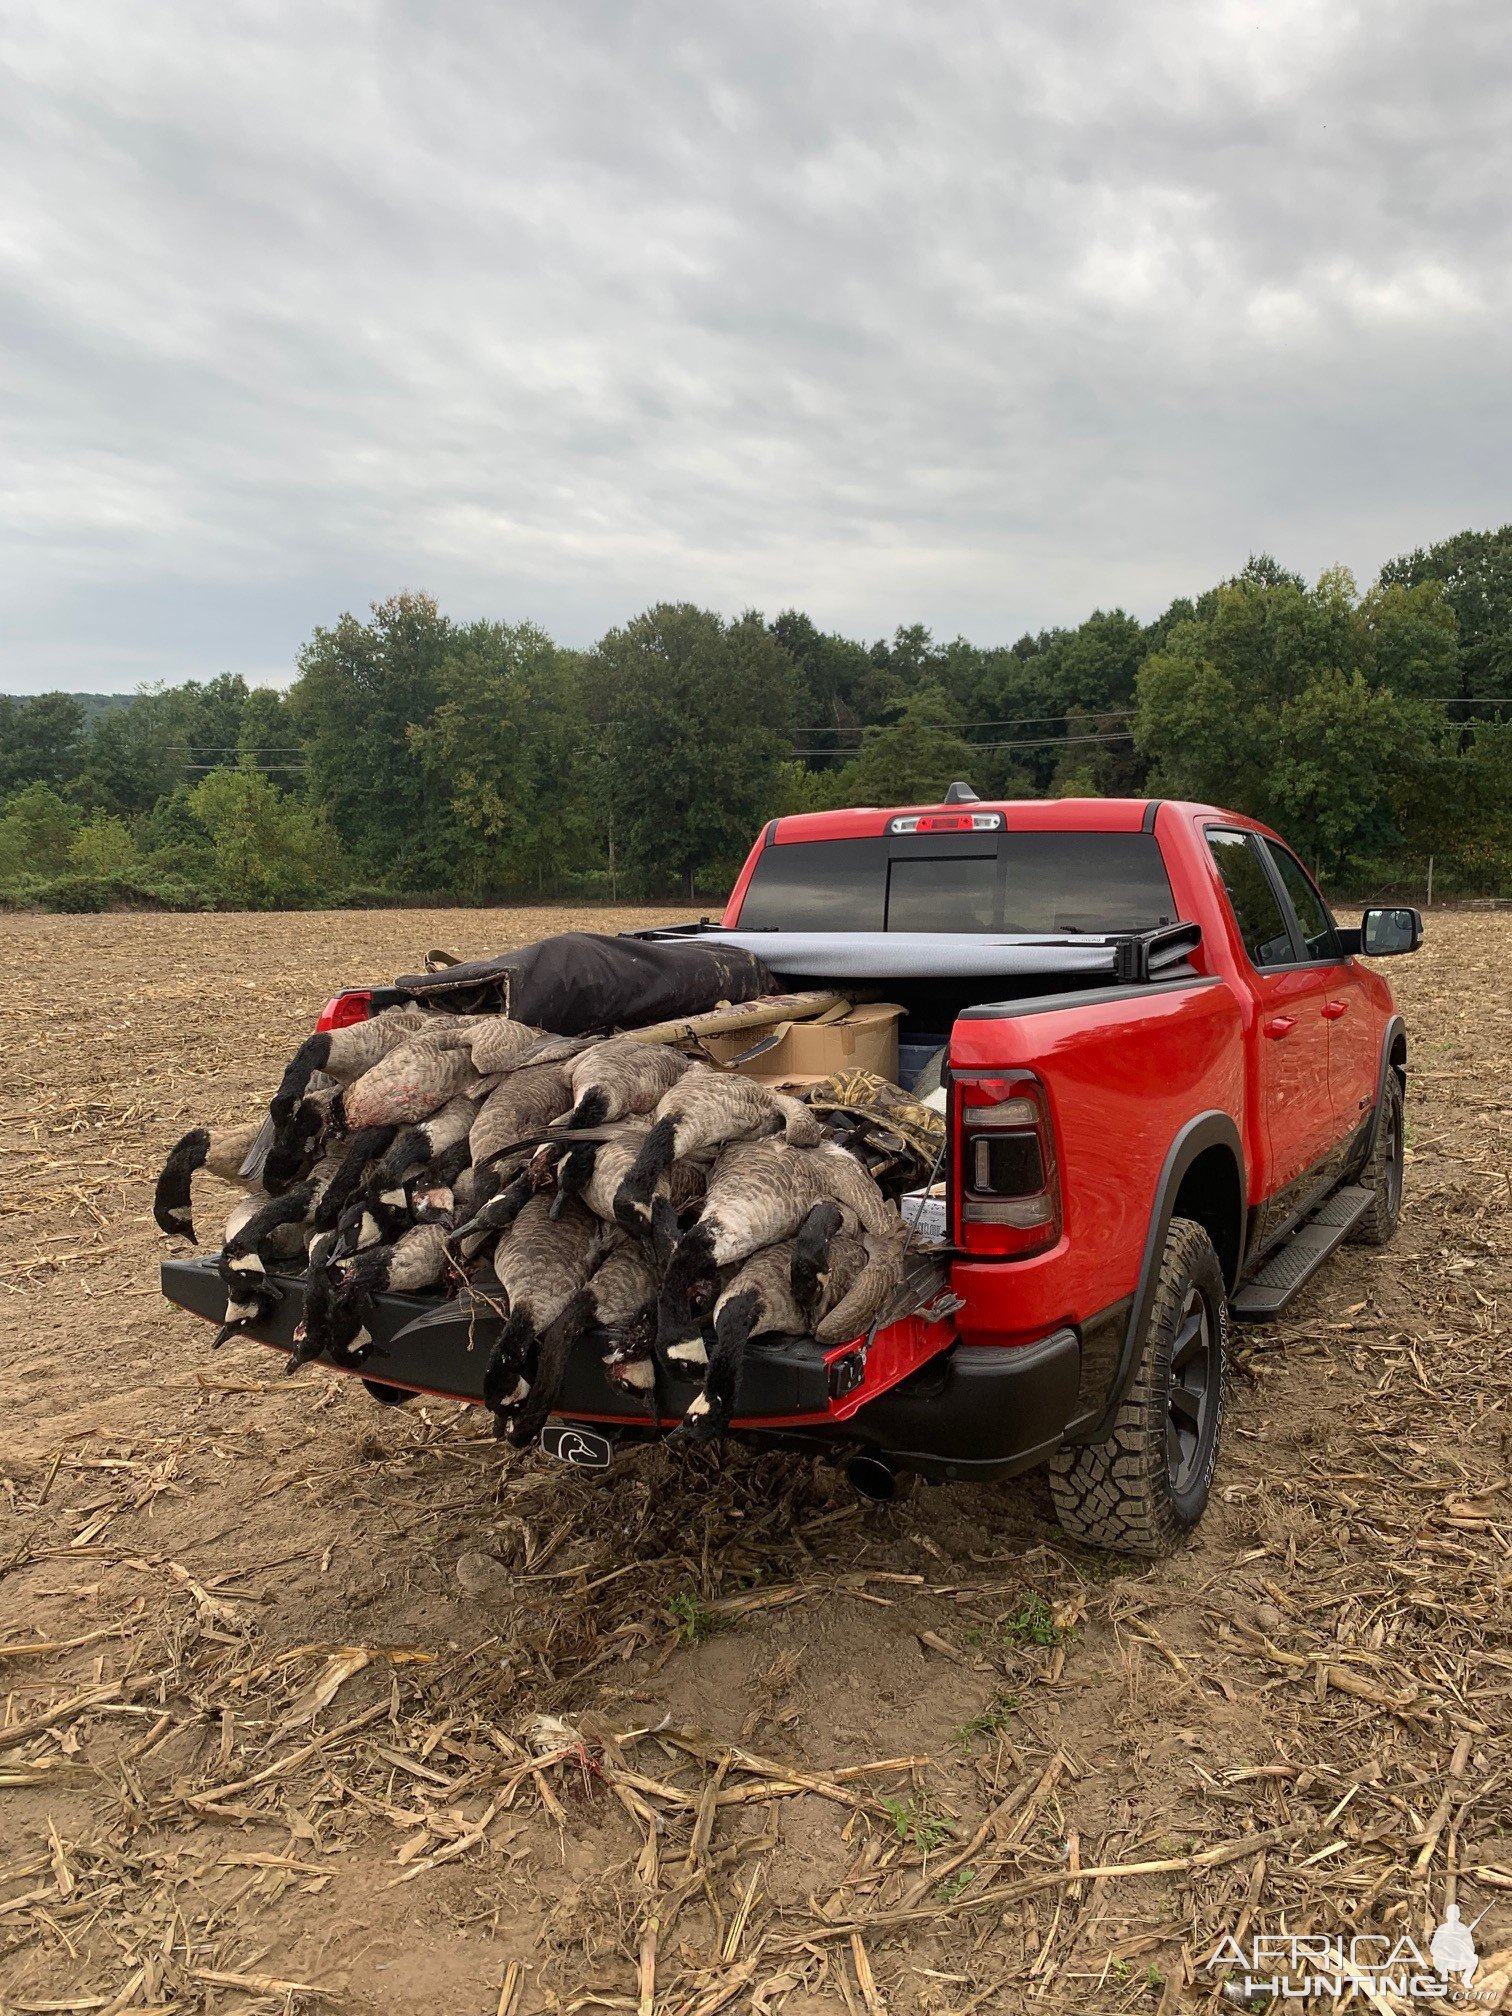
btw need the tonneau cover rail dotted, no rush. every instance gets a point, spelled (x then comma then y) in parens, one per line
(1126, 957)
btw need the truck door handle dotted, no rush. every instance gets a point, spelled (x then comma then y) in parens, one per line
(1332, 1010)
(1278, 1026)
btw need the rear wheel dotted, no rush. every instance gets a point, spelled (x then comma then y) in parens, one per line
(1144, 1488)
(1382, 1174)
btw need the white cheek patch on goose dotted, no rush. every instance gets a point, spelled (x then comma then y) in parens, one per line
(180, 1213)
(393, 1198)
(367, 1232)
(636, 1373)
(689, 1351)
(241, 1312)
(363, 1336)
(245, 1263)
(699, 1407)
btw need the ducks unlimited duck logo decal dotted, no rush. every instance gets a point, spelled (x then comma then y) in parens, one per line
(1307, 1966)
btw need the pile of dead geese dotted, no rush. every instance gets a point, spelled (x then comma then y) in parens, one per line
(613, 1189)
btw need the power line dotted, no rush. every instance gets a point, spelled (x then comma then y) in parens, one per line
(1023, 721)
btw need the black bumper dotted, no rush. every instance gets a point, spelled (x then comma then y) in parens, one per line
(971, 1411)
(976, 1411)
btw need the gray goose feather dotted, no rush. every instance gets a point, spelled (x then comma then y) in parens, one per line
(412, 1081)
(519, 1106)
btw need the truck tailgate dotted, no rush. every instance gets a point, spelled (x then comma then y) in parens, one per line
(422, 1345)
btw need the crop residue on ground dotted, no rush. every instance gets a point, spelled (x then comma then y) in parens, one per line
(305, 1703)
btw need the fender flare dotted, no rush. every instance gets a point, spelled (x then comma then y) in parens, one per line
(1395, 1028)
(1214, 1129)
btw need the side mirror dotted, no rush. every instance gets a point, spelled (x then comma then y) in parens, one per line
(1383, 932)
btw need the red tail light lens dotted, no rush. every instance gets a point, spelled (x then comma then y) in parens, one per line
(1007, 1175)
(342, 1010)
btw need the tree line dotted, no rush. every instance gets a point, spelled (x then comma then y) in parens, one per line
(414, 756)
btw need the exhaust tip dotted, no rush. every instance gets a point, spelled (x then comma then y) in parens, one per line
(873, 1478)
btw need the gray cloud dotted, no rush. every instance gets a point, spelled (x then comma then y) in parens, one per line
(965, 313)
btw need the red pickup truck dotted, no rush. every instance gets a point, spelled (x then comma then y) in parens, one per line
(1172, 1090)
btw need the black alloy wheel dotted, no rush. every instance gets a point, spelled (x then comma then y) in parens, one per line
(1191, 1415)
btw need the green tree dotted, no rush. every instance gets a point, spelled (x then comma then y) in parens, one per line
(911, 762)
(1209, 703)
(840, 686)
(694, 717)
(104, 846)
(1409, 639)
(40, 741)
(361, 688)
(502, 750)
(1475, 570)
(174, 841)
(1342, 746)
(267, 738)
(270, 850)
(36, 832)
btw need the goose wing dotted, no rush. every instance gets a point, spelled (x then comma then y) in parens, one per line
(871, 1287)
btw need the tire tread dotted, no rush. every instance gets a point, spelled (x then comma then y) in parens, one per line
(1116, 1494)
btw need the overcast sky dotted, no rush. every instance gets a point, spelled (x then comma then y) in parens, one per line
(978, 315)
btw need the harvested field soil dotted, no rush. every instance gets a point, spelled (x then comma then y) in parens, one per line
(308, 1703)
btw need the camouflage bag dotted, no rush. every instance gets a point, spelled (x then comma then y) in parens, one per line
(897, 1136)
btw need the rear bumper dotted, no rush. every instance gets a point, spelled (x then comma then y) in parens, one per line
(969, 1411)
(978, 1410)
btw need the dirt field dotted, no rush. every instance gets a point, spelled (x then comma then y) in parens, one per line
(278, 1666)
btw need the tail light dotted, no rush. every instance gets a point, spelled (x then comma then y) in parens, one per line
(1007, 1176)
(342, 1010)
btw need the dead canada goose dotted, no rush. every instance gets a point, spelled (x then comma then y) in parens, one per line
(501, 1204)
(595, 1170)
(517, 1108)
(344, 1054)
(432, 1189)
(413, 1081)
(275, 1229)
(221, 1151)
(540, 1267)
(620, 1077)
(336, 1317)
(308, 1132)
(619, 1289)
(843, 1279)
(758, 1297)
(829, 1280)
(631, 1364)
(358, 1153)
(705, 1109)
(431, 1137)
(760, 1192)
(499, 1044)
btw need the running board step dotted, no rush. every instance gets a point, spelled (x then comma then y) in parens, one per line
(1303, 1254)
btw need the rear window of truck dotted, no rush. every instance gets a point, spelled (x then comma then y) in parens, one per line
(1009, 882)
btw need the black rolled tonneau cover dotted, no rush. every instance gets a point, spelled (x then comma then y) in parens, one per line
(580, 982)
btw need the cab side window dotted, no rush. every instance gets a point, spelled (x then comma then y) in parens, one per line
(1262, 926)
(1318, 931)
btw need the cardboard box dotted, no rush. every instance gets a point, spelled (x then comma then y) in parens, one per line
(804, 1052)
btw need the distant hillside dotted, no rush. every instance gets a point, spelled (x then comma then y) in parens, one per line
(96, 704)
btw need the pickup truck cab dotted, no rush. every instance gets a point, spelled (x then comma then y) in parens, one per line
(1172, 1089)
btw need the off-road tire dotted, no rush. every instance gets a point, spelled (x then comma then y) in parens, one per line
(1129, 1494)
(1382, 1174)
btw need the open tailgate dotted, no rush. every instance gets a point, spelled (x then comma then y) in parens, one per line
(422, 1345)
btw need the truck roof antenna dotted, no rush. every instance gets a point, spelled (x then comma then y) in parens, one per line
(961, 794)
